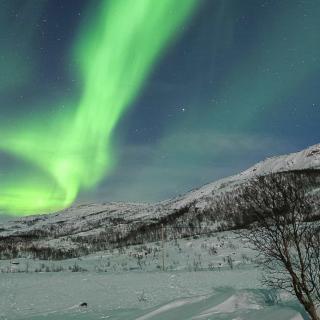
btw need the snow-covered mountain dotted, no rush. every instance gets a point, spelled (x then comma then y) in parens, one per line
(87, 228)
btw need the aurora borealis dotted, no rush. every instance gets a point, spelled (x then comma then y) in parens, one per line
(115, 57)
(139, 100)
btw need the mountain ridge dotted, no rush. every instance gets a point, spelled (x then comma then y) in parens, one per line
(88, 228)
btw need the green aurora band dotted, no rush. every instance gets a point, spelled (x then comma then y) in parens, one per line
(74, 150)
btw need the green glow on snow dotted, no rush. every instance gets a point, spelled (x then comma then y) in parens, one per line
(74, 150)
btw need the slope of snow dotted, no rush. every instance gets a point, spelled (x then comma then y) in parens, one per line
(305, 159)
(93, 219)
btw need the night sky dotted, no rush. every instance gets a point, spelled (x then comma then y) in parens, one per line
(141, 100)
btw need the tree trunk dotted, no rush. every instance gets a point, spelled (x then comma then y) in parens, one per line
(305, 301)
(311, 309)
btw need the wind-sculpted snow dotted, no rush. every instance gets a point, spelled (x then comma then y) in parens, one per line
(87, 228)
(169, 296)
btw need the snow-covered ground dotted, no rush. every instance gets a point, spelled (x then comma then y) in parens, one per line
(215, 277)
(212, 277)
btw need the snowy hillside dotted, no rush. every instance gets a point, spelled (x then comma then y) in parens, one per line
(129, 261)
(304, 160)
(84, 229)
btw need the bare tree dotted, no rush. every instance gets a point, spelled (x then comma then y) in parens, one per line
(285, 233)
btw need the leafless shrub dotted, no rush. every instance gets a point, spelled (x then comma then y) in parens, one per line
(285, 233)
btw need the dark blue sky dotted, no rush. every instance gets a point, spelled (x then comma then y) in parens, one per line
(241, 84)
